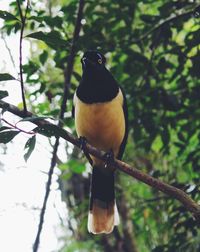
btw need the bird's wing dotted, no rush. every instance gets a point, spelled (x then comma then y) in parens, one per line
(123, 144)
(73, 111)
(73, 105)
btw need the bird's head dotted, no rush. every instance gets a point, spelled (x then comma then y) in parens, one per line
(93, 58)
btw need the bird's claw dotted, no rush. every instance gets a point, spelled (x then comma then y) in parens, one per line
(109, 156)
(82, 145)
(82, 142)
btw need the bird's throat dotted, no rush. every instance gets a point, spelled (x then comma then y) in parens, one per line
(97, 85)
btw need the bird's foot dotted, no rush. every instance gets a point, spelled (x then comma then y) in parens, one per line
(82, 145)
(82, 142)
(109, 156)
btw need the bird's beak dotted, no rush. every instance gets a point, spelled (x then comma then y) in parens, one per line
(85, 62)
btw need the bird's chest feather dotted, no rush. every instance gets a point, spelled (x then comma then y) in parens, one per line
(101, 123)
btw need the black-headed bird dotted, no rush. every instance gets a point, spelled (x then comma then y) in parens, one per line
(100, 113)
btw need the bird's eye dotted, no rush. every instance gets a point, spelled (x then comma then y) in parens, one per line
(100, 61)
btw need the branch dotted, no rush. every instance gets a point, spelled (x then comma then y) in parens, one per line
(19, 129)
(170, 190)
(129, 240)
(23, 22)
(70, 63)
(67, 75)
(171, 18)
(8, 49)
(48, 185)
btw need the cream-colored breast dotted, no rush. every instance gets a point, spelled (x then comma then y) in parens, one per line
(102, 124)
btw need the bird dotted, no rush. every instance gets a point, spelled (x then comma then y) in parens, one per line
(101, 118)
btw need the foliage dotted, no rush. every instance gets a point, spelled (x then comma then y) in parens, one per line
(153, 50)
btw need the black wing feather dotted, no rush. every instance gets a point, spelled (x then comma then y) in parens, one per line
(73, 111)
(123, 144)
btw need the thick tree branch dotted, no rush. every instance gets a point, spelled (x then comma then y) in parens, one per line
(67, 76)
(172, 191)
(23, 22)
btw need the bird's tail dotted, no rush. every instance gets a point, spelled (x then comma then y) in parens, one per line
(103, 214)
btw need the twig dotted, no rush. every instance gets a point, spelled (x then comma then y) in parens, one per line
(144, 201)
(8, 49)
(42, 213)
(50, 7)
(59, 215)
(23, 22)
(170, 190)
(172, 18)
(20, 10)
(15, 127)
(70, 63)
(67, 76)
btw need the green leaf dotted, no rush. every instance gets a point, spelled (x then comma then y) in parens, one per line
(4, 128)
(43, 57)
(6, 77)
(50, 130)
(77, 76)
(7, 136)
(62, 166)
(52, 39)
(7, 16)
(36, 18)
(30, 145)
(149, 18)
(53, 21)
(75, 166)
(72, 165)
(4, 107)
(3, 94)
(35, 118)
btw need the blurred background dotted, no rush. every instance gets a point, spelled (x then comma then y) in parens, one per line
(152, 49)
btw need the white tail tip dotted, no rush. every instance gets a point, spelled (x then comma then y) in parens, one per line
(103, 220)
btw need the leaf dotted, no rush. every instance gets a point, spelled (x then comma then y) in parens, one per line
(35, 118)
(192, 39)
(53, 38)
(196, 12)
(50, 130)
(43, 57)
(4, 107)
(30, 145)
(4, 128)
(181, 137)
(165, 135)
(77, 76)
(53, 21)
(62, 166)
(36, 18)
(7, 16)
(30, 68)
(6, 77)
(7, 136)
(75, 166)
(3, 94)
(149, 18)
(163, 65)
